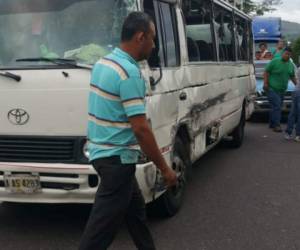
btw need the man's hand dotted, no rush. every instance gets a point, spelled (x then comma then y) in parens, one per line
(266, 87)
(295, 80)
(149, 146)
(170, 177)
(266, 81)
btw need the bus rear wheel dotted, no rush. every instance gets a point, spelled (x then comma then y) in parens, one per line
(239, 132)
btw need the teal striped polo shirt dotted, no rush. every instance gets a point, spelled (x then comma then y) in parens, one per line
(117, 92)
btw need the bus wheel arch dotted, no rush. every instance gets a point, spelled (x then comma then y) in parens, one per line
(239, 131)
(169, 203)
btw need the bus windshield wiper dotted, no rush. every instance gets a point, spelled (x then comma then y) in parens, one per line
(58, 61)
(11, 75)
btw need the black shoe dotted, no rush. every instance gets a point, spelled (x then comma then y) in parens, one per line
(277, 129)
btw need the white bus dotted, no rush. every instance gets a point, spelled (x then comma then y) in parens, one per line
(200, 82)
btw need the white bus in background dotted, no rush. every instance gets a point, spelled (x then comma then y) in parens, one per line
(200, 83)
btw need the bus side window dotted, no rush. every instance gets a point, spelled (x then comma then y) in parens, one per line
(157, 57)
(171, 46)
(242, 38)
(200, 40)
(224, 33)
(251, 42)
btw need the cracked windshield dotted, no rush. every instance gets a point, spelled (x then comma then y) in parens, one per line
(79, 30)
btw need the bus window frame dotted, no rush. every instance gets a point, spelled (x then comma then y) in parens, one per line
(251, 42)
(158, 39)
(249, 31)
(231, 10)
(213, 36)
(163, 34)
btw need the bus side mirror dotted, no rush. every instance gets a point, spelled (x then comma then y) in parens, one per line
(154, 82)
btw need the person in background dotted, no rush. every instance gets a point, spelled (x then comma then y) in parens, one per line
(118, 131)
(264, 54)
(276, 78)
(294, 115)
(277, 53)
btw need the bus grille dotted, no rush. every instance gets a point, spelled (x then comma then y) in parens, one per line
(28, 149)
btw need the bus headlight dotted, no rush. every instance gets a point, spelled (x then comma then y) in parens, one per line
(85, 150)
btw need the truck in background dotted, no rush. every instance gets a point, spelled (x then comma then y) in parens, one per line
(267, 30)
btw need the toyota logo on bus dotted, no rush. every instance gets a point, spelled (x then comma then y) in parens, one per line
(18, 116)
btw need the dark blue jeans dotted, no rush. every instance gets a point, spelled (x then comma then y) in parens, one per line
(294, 116)
(276, 101)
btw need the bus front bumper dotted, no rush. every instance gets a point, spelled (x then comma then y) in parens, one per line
(64, 183)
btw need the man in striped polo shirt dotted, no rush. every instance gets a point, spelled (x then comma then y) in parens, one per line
(117, 129)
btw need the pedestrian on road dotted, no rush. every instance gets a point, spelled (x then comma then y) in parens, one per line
(276, 78)
(294, 115)
(277, 53)
(117, 130)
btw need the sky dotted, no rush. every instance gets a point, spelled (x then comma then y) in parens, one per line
(289, 11)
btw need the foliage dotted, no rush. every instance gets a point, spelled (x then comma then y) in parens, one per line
(261, 7)
(249, 6)
(296, 50)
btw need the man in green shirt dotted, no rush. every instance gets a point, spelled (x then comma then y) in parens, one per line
(277, 53)
(276, 78)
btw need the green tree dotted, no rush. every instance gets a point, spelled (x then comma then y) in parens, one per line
(249, 6)
(260, 7)
(296, 50)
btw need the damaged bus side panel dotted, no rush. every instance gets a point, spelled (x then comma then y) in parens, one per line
(207, 86)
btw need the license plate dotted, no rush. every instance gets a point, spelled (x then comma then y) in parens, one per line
(22, 183)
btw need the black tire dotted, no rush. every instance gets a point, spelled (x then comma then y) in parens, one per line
(239, 132)
(170, 202)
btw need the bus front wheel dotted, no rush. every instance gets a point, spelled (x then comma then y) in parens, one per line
(170, 202)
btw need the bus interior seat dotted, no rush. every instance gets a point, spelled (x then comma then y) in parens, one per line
(230, 52)
(205, 50)
(193, 50)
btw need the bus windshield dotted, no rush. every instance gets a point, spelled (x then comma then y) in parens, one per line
(80, 30)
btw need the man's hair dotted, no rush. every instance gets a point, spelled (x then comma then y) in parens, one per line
(288, 49)
(135, 22)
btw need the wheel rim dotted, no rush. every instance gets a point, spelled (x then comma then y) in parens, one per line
(180, 168)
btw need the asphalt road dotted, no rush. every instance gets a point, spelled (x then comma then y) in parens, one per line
(245, 199)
